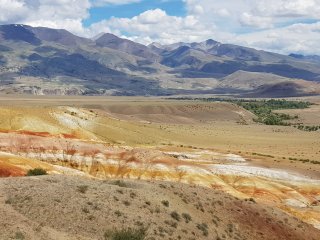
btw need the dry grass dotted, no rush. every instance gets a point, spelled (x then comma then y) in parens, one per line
(159, 125)
(50, 207)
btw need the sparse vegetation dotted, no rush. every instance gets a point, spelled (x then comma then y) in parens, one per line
(85, 210)
(118, 213)
(174, 210)
(126, 234)
(171, 223)
(263, 155)
(165, 203)
(175, 216)
(82, 188)
(133, 195)
(8, 201)
(120, 183)
(19, 236)
(304, 160)
(204, 228)
(307, 128)
(264, 109)
(186, 217)
(36, 172)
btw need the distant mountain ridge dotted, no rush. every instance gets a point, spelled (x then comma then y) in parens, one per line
(312, 58)
(39, 60)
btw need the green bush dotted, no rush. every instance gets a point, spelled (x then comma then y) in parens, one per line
(264, 110)
(36, 172)
(126, 234)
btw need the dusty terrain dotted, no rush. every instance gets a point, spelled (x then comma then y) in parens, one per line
(213, 145)
(60, 207)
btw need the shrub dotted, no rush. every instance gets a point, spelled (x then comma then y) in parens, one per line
(186, 217)
(165, 203)
(8, 201)
(204, 228)
(171, 223)
(120, 183)
(133, 195)
(175, 216)
(85, 210)
(126, 234)
(19, 236)
(83, 188)
(118, 213)
(36, 172)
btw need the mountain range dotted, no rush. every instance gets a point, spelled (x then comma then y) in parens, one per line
(43, 61)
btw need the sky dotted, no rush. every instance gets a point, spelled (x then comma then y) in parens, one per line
(284, 26)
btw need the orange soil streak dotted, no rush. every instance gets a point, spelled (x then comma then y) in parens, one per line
(39, 134)
(66, 135)
(7, 170)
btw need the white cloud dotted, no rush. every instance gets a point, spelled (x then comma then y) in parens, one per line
(277, 25)
(297, 38)
(156, 25)
(254, 13)
(12, 11)
(288, 9)
(112, 2)
(249, 20)
(66, 14)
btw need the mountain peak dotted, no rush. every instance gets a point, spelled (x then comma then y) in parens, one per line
(60, 36)
(108, 36)
(211, 41)
(110, 40)
(18, 32)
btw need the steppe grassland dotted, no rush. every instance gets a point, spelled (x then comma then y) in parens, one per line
(155, 122)
(187, 127)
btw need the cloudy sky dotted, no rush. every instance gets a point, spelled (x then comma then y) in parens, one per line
(285, 26)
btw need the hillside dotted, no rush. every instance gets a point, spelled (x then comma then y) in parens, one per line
(46, 61)
(95, 209)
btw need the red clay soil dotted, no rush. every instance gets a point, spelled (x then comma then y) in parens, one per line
(39, 134)
(66, 135)
(7, 170)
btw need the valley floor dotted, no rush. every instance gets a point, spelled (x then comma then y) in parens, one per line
(214, 145)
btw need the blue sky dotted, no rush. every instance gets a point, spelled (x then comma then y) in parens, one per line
(172, 7)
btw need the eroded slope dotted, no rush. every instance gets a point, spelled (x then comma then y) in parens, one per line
(34, 207)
